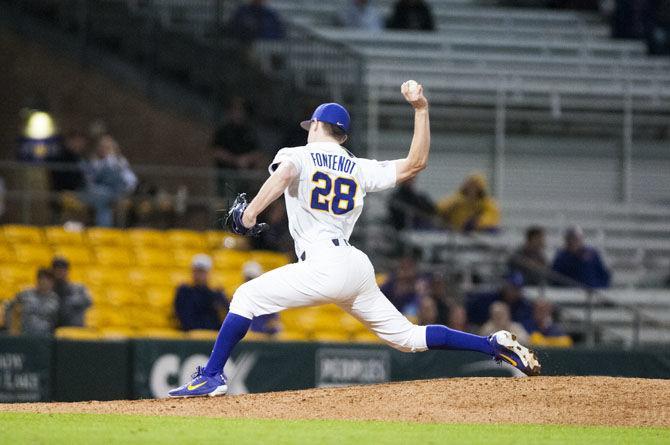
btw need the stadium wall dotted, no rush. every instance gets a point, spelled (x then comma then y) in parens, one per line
(33, 369)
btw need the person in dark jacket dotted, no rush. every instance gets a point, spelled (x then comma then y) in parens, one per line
(530, 259)
(34, 311)
(74, 298)
(411, 15)
(255, 20)
(410, 209)
(580, 262)
(511, 292)
(197, 306)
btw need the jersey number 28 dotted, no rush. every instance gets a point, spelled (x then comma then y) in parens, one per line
(343, 189)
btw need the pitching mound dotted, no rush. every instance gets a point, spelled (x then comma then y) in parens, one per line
(540, 400)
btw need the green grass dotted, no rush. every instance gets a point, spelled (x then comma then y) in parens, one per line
(72, 429)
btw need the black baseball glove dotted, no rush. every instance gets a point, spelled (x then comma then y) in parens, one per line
(234, 218)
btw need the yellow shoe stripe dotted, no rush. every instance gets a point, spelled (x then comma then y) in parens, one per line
(509, 360)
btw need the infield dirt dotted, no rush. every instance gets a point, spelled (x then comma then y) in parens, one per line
(539, 400)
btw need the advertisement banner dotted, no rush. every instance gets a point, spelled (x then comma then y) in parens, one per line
(25, 369)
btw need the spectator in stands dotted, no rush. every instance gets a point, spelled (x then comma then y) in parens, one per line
(360, 14)
(530, 259)
(264, 324)
(471, 208)
(458, 318)
(409, 208)
(68, 175)
(657, 27)
(198, 306)
(255, 20)
(34, 311)
(544, 331)
(277, 237)
(501, 319)
(108, 180)
(511, 292)
(427, 311)
(580, 262)
(411, 15)
(400, 287)
(235, 144)
(74, 299)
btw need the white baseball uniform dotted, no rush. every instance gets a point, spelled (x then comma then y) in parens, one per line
(323, 204)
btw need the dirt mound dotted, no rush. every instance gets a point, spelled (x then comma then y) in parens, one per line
(555, 400)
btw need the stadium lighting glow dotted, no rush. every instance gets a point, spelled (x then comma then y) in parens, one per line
(40, 125)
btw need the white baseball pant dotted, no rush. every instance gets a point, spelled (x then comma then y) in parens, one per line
(342, 275)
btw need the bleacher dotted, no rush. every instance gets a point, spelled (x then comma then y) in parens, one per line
(132, 275)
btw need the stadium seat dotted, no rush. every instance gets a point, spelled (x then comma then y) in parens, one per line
(218, 239)
(269, 260)
(229, 281)
(159, 296)
(113, 256)
(292, 336)
(229, 259)
(187, 239)
(148, 237)
(179, 277)
(34, 254)
(366, 337)
(202, 334)
(101, 236)
(331, 336)
(146, 256)
(18, 234)
(76, 255)
(184, 256)
(123, 295)
(76, 333)
(106, 275)
(7, 254)
(117, 333)
(58, 235)
(149, 276)
(95, 316)
(159, 333)
(350, 324)
(257, 336)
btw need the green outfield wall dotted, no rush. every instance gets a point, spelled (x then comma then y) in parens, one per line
(34, 369)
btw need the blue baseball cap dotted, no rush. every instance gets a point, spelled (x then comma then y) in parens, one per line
(332, 113)
(515, 278)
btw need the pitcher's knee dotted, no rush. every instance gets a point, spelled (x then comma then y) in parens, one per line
(242, 302)
(412, 339)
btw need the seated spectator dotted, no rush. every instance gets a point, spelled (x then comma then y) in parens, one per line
(400, 287)
(410, 209)
(458, 318)
(255, 20)
(412, 15)
(580, 262)
(34, 311)
(74, 298)
(263, 324)
(530, 258)
(67, 175)
(544, 331)
(511, 292)
(360, 14)
(108, 180)
(198, 306)
(471, 208)
(427, 311)
(500, 319)
(277, 237)
(235, 145)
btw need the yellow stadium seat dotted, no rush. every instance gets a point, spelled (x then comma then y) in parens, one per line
(95, 316)
(77, 255)
(148, 237)
(228, 281)
(187, 239)
(7, 254)
(350, 324)
(35, 254)
(230, 259)
(106, 275)
(153, 257)
(117, 333)
(98, 295)
(183, 256)
(299, 319)
(331, 336)
(76, 333)
(148, 276)
(113, 256)
(15, 275)
(103, 236)
(58, 235)
(123, 296)
(366, 337)
(17, 234)
(159, 296)
(269, 260)
(179, 277)
(257, 336)
(381, 278)
(292, 336)
(158, 333)
(202, 334)
(218, 239)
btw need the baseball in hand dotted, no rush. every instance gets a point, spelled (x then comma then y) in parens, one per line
(412, 86)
